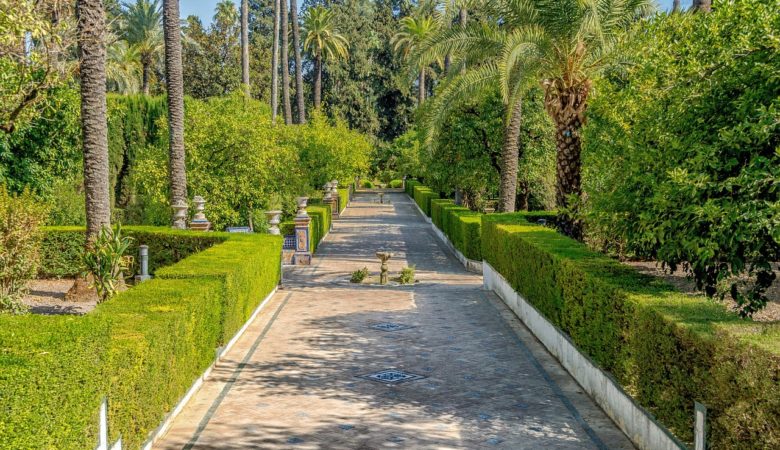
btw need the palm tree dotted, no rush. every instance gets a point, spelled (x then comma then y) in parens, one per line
(285, 63)
(245, 46)
(174, 79)
(702, 5)
(498, 57)
(581, 34)
(675, 5)
(91, 30)
(296, 32)
(141, 28)
(275, 64)
(323, 41)
(414, 31)
(123, 69)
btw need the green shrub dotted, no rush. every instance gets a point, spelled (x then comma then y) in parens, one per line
(423, 197)
(343, 199)
(470, 235)
(396, 184)
(62, 248)
(407, 275)
(142, 349)
(359, 275)
(320, 224)
(367, 184)
(105, 260)
(437, 206)
(410, 185)
(666, 348)
(20, 241)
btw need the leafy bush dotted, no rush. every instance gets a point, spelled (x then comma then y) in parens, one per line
(396, 184)
(359, 275)
(105, 261)
(142, 349)
(20, 241)
(367, 184)
(407, 275)
(666, 348)
(681, 147)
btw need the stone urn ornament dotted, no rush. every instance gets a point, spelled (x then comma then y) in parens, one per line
(180, 216)
(199, 221)
(328, 192)
(302, 203)
(383, 256)
(334, 187)
(274, 219)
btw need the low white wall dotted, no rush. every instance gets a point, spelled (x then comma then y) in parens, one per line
(638, 424)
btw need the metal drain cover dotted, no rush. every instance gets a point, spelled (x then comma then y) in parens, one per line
(392, 376)
(390, 326)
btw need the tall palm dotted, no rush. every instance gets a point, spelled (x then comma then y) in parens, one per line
(581, 34)
(275, 64)
(487, 57)
(142, 29)
(323, 41)
(284, 17)
(702, 5)
(245, 46)
(174, 79)
(123, 68)
(91, 29)
(413, 32)
(675, 5)
(296, 32)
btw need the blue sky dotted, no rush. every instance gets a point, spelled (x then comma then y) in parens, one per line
(205, 8)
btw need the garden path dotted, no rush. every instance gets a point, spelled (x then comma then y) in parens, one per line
(293, 380)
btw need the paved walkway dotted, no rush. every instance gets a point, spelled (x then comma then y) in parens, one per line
(300, 376)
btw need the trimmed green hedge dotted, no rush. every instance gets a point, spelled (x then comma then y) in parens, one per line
(423, 196)
(320, 224)
(142, 350)
(62, 247)
(410, 184)
(666, 348)
(461, 225)
(436, 210)
(343, 199)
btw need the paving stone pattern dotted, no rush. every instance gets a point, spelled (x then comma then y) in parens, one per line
(301, 375)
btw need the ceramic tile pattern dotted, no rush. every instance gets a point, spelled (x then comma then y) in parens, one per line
(294, 379)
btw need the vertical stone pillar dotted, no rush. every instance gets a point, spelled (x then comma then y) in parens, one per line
(334, 186)
(302, 248)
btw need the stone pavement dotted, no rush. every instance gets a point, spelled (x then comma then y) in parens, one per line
(300, 376)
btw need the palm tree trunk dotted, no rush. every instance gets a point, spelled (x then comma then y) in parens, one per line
(245, 46)
(318, 81)
(145, 77)
(421, 88)
(92, 59)
(509, 159)
(275, 65)
(567, 108)
(675, 5)
(174, 81)
(285, 19)
(298, 64)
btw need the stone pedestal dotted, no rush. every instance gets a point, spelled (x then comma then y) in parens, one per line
(302, 250)
(274, 219)
(199, 221)
(334, 185)
(143, 257)
(180, 216)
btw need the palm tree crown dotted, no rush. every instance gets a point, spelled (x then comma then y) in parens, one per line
(323, 41)
(413, 32)
(142, 29)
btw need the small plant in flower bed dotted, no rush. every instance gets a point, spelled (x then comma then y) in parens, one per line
(359, 275)
(105, 261)
(407, 275)
(367, 184)
(396, 184)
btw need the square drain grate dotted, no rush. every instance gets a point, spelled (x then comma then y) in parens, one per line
(392, 376)
(390, 326)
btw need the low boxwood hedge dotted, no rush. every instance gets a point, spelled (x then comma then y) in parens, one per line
(423, 196)
(142, 350)
(666, 348)
(436, 210)
(343, 199)
(320, 224)
(409, 188)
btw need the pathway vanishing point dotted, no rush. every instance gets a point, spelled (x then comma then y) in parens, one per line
(470, 374)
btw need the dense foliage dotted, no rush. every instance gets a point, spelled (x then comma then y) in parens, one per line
(667, 349)
(683, 147)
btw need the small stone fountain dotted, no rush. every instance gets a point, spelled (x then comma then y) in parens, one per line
(383, 256)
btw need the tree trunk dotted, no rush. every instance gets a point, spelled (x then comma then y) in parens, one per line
(145, 76)
(275, 65)
(174, 81)
(298, 64)
(675, 5)
(567, 108)
(318, 81)
(421, 89)
(510, 155)
(285, 19)
(245, 47)
(92, 60)
(702, 5)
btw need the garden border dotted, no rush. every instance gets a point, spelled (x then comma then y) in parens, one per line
(637, 423)
(470, 264)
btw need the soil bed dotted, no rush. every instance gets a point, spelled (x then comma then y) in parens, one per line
(48, 297)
